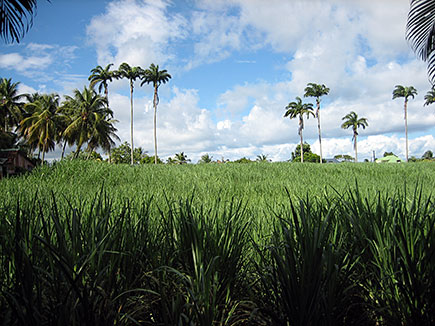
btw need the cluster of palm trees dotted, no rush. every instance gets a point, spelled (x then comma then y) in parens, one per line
(152, 75)
(298, 109)
(42, 120)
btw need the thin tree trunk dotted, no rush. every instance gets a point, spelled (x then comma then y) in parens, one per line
(110, 155)
(301, 123)
(76, 154)
(63, 150)
(90, 153)
(43, 157)
(320, 133)
(355, 147)
(131, 114)
(406, 128)
(106, 93)
(155, 125)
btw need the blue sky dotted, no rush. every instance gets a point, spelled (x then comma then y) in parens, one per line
(235, 65)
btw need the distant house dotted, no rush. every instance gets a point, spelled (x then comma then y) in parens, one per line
(389, 159)
(13, 161)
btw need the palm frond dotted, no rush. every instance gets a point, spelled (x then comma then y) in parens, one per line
(420, 32)
(16, 17)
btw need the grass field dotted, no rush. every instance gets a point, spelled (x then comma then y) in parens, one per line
(88, 243)
(256, 184)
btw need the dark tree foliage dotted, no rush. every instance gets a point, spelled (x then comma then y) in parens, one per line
(427, 155)
(297, 152)
(309, 156)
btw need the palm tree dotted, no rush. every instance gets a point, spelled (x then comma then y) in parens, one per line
(16, 18)
(102, 135)
(10, 107)
(86, 110)
(295, 109)
(130, 73)
(430, 97)
(351, 120)
(156, 77)
(317, 91)
(206, 158)
(262, 158)
(101, 76)
(181, 158)
(420, 32)
(405, 92)
(40, 127)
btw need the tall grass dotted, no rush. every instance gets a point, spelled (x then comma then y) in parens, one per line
(217, 245)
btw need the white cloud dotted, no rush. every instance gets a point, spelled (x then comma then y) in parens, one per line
(136, 32)
(16, 61)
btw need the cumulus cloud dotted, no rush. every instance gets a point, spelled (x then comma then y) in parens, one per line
(136, 32)
(38, 61)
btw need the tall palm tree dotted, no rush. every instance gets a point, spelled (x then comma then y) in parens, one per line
(101, 76)
(351, 120)
(40, 127)
(130, 73)
(317, 91)
(420, 32)
(406, 92)
(86, 109)
(16, 18)
(430, 97)
(156, 77)
(298, 109)
(10, 105)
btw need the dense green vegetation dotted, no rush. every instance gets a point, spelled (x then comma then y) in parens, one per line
(92, 243)
(256, 183)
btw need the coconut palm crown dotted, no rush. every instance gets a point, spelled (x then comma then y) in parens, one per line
(40, 127)
(317, 91)
(351, 120)
(154, 76)
(405, 92)
(87, 109)
(298, 109)
(10, 105)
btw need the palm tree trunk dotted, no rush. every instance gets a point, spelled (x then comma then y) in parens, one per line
(110, 155)
(63, 150)
(406, 128)
(355, 146)
(155, 124)
(106, 93)
(131, 115)
(43, 156)
(76, 154)
(90, 153)
(301, 123)
(318, 127)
